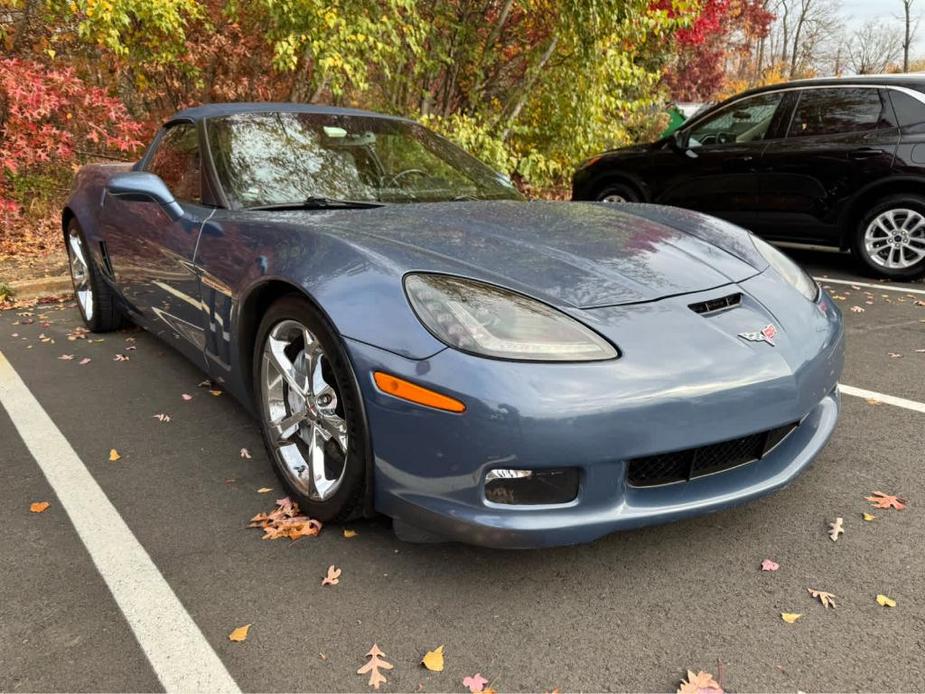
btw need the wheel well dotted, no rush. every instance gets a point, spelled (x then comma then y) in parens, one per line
(869, 198)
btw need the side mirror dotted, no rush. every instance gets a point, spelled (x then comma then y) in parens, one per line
(143, 186)
(678, 140)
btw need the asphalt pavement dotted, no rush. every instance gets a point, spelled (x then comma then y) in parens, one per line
(631, 612)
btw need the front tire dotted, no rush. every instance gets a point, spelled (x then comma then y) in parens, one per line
(616, 193)
(890, 237)
(96, 300)
(310, 411)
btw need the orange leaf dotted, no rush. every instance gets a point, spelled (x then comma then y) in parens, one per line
(239, 634)
(701, 683)
(113, 455)
(350, 533)
(373, 665)
(333, 577)
(881, 500)
(39, 506)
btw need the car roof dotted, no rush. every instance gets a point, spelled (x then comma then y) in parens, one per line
(910, 80)
(198, 113)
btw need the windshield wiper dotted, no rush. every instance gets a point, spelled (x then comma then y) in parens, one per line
(319, 203)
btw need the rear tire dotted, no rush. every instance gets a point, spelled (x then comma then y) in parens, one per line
(616, 193)
(310, 410)
(96, 300)
(890, 237)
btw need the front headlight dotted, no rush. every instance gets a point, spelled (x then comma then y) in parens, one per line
(489, 321)
(791, 272)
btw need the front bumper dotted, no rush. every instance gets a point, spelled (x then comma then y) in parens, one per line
(430, 466)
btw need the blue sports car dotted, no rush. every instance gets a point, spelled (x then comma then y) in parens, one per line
(417, 340)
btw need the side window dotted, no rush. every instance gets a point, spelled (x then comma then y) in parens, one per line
(743, 121)
(176, 161)
(910, 112)
(838, 111)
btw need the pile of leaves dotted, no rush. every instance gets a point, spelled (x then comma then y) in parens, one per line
(285, 521)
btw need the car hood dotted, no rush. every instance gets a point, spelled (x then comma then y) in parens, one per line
(580, 254)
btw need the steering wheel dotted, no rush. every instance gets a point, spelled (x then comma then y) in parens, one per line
(393, 180)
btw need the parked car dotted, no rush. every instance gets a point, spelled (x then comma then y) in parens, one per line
(415, 339)
(838, 162)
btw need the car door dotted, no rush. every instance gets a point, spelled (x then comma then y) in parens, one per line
(151, 252)
(714, 169)
(839, 140)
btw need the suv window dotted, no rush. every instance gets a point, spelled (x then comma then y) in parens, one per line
(839, 110)
(747, 120)
(176, 160)
(910, 112)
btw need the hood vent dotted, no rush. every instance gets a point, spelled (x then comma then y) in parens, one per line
(714, 305)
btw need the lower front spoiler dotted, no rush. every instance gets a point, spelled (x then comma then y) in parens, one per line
(631, 507)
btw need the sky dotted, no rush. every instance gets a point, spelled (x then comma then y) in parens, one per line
(888, 11)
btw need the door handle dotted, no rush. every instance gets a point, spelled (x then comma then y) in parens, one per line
(864, 153)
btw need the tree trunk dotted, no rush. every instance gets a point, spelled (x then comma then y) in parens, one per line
(528, 87)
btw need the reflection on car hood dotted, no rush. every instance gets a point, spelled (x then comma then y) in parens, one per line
(580, 254)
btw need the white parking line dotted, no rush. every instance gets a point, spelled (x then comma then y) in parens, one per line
(181, 657)
(887, 399)
(886, 287)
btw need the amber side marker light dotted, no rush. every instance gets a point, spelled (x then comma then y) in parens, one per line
(405, 390)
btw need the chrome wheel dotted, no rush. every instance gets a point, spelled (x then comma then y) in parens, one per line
(302, 410)
(895, 239)
(613, 197)
(80, 273)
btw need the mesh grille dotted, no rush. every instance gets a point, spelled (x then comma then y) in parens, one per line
(681, 466)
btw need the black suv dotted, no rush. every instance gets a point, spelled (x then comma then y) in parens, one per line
(839, 162)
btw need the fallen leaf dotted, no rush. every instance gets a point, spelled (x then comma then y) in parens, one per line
(264, 490)
(857, 309)
(873, 401)
(204, 384)
(162, 417)
(239, 634)
(373, 665)
(186, 396)
(894, 355)
(827, 599)
(216, 393)
(790, 617)
(84, 361)
(869, 516)
(476, 683)
(113, 455)
(245, 454)
(433, 660)
(333, 577)
(768, 565)
(39, 506)
(350, 533)
(285, 521)
(120, 357)
(884, 601)
(881, 500)
(130, 348)
(836, 528)
(66, 357)
(701, 683)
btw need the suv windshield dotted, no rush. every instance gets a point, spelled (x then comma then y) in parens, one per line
(290, 158)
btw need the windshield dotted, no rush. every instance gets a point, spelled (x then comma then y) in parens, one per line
(287, 158)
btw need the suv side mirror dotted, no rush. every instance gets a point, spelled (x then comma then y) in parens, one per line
(679, 140)
(143, 186)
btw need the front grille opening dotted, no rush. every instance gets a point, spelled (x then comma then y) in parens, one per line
(531, 487)
(714, 305)
(681, 466)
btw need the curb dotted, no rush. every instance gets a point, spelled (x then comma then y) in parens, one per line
(42, 287)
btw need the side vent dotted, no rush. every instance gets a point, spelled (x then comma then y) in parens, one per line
(714, 305)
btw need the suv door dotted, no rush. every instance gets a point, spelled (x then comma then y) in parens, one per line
(715, 168)
(839, 140)
(152, 254)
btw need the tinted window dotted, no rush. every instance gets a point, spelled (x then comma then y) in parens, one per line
(284, 158)
(910, 112)
(176, 161)
(836, 111)
(743, 121)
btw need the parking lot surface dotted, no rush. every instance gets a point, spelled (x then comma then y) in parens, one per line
(630, 612)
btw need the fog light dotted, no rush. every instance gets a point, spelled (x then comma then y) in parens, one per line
(531, 487)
